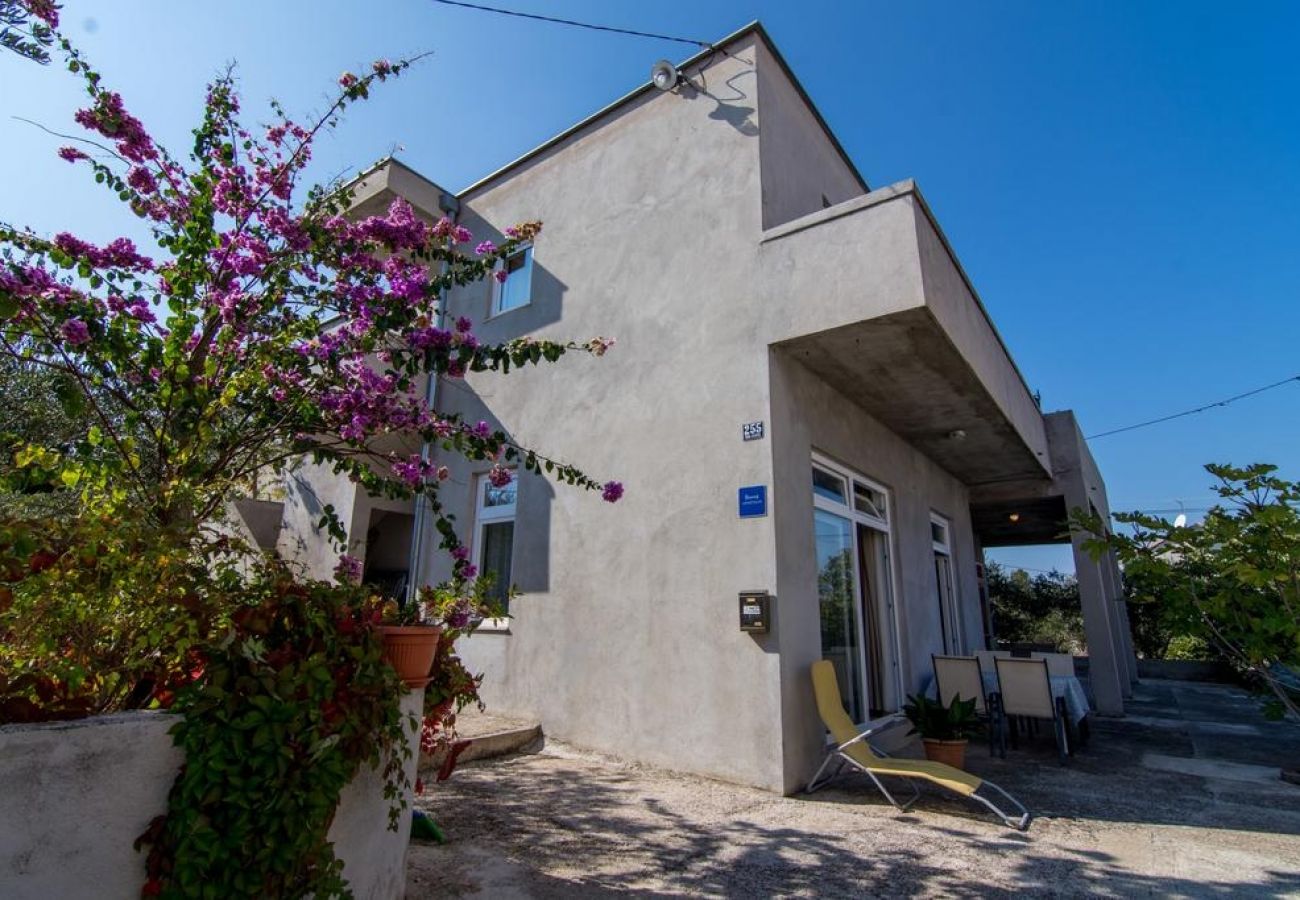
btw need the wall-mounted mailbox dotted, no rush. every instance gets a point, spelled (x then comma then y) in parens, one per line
(755, 607)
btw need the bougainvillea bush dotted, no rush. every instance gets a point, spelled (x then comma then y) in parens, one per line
(263, 325)
(259, 332)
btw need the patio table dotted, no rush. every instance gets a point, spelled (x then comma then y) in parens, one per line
(1067, 686)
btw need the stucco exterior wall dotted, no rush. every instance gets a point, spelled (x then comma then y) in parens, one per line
(953, 303)
(309, 488)
(77, 794)
(807, 417)
(802, 169)
(686, 225)
(840, 266)
(631, 609)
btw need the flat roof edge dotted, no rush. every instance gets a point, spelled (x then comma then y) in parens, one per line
(753, 28)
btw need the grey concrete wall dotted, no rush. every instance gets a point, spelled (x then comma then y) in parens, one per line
(800, 164)
(77, 794)
(854, 261)
(1077, 475)
(659, 232)
(809, 416)
(881, 253)
(962, 315)
(309, 488)
(627, 639)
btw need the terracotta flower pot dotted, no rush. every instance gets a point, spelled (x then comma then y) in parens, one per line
(410, 649)
(952, 753)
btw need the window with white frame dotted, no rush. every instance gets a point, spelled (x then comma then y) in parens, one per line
(517, 289)
(855, 586)
(494, 535)
(945, 588)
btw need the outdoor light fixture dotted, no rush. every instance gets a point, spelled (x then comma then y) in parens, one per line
(1014, 517)
(664, 75)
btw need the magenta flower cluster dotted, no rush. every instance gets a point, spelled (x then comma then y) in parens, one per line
(109, 117)
(45, 10)
(314, 329)
(119, 254)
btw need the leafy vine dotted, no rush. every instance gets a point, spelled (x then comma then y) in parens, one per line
(291, 704)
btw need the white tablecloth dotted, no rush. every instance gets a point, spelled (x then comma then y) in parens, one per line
(1067, 686)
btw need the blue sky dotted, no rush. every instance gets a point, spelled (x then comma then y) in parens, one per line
(1121, 181)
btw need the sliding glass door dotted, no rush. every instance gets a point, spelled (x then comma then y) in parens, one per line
(855, 588)
(837, 588)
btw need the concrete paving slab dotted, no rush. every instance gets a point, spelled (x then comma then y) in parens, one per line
(1213, 768)
(568, 823)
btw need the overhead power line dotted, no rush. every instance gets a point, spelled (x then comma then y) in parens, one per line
(1199, 409)
(705, 45)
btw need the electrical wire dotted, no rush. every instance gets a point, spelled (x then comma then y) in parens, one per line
(1199, 409)
(557, 21)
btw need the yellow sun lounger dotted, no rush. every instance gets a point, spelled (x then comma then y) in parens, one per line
(851, 748)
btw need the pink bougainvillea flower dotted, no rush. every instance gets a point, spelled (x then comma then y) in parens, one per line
(142, 180)
(109, 117)
(613, 491)
(348, 569)
(45, 10)
(75, 332)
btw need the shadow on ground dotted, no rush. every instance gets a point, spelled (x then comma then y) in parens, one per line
(576, 825)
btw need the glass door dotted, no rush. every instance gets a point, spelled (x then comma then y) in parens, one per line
(837, 589)
(855, 589)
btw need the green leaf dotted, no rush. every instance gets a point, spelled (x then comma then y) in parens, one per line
(70, 397)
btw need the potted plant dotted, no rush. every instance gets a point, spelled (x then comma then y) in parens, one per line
(944, 730)
(410, 641)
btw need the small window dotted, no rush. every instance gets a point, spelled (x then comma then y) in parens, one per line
(827, 485)
(867, 499)
(939, 533)
(517, 289)
(494, 536)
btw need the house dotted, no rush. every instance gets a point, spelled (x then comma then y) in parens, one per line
(807, 401)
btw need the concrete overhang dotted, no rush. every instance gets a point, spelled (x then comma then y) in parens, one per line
(872, 300)
(375, 189)
(1021, 523)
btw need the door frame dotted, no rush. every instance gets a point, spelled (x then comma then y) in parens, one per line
(883, 525)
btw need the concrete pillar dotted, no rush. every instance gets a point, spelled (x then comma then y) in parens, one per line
(1108, 679)
(1117, 617)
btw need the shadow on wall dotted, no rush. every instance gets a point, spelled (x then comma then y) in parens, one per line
(729, 109)
(531, 548)
(627, 833)
(546, 304)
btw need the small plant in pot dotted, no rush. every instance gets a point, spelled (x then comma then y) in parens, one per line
(944, 730)
(410, 639)
(416, 631)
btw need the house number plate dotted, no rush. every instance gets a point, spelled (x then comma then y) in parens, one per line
(752, 431)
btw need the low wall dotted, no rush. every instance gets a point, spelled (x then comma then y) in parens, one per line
(1187, 670)
(75, 795)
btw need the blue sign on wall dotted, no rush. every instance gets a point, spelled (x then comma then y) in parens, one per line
(753, 501)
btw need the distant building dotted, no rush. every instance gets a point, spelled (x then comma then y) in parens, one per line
(793, 346)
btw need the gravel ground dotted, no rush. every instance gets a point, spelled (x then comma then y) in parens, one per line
(566, 823)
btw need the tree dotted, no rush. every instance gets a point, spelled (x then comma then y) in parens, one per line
(27, 27)
(265, 333)
(1233, 577)
(269, 326)
(1039, 609)
(158, 387)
